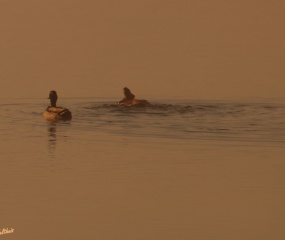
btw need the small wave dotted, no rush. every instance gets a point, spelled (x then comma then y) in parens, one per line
(180, 120)
(247, 121)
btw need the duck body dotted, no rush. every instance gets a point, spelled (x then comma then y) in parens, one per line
(57, 114)
(130, 101)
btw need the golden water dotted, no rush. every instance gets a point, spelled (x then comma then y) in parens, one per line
(190, 170)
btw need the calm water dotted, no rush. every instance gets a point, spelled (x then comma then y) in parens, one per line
(178, 170)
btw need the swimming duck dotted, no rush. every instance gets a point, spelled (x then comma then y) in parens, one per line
(55, 113)
(130, 101)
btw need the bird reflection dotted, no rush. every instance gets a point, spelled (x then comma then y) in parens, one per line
(52, 138)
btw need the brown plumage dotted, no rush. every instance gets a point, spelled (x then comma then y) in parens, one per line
(130, 101)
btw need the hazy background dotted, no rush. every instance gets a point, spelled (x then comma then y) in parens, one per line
(210, 49)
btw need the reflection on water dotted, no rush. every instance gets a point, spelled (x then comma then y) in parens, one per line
(58, 134)
(51, 138)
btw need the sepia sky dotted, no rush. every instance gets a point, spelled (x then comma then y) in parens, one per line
(210, 49)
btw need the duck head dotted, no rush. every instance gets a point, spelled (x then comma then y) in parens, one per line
(128, 94)
(53, 98)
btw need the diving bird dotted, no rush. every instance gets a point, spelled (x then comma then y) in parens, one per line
(130, 101)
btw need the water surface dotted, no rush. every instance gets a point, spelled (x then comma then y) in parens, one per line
(182, 169)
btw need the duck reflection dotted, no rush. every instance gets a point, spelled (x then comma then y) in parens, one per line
(52, 138)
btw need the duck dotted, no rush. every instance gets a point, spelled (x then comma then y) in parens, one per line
(55, 113)
(130, 101)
